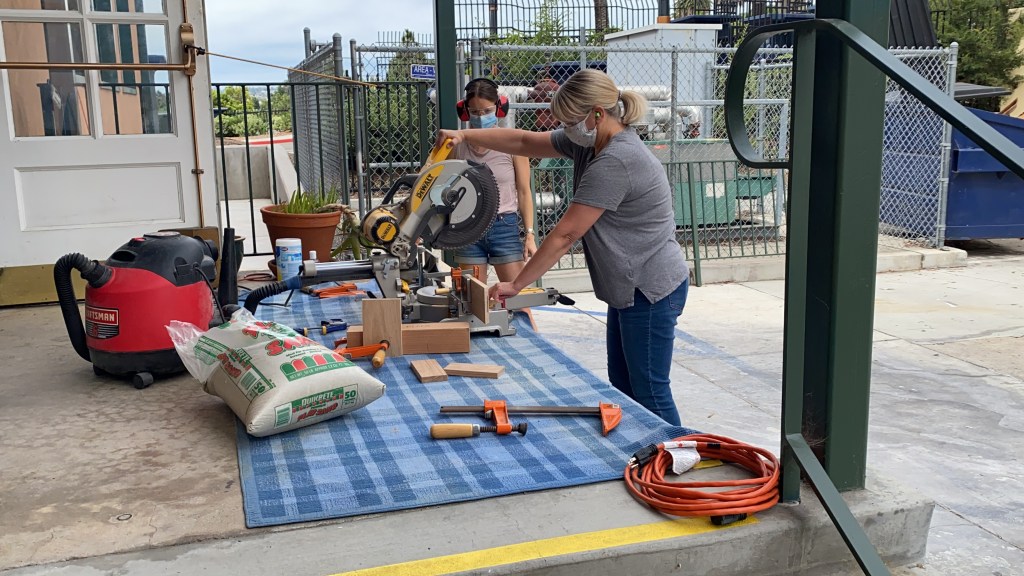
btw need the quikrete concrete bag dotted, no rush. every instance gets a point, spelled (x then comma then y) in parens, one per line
(272, 378)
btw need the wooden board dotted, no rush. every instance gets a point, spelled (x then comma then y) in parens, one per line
(474, 370)
(425, 338)
(382, 320)
(478, 303)
(428, 370)
(436, 337)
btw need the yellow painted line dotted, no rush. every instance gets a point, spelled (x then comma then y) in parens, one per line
(547, 548)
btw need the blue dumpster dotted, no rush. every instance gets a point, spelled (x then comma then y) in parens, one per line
(985, 200)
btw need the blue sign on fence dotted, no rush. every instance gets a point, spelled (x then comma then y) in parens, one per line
(422, 72)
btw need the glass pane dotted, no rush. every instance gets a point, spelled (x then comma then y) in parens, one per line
(47, 102)
(137, 6)
(133, 101)
(39, 4)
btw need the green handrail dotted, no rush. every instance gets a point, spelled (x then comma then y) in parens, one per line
(950, 110)
(795, 446)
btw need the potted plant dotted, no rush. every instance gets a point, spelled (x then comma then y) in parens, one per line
(311, 217)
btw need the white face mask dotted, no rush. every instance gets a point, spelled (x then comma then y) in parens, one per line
(580, 136)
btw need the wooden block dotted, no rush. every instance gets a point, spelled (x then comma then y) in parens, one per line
(425, 337)
(428, 370)
(436, 338)
(382, 320)
(478, 303)
(474, 370)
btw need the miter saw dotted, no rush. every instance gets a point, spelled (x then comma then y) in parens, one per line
(450, 204)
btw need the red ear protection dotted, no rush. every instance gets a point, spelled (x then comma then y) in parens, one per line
(502, 105)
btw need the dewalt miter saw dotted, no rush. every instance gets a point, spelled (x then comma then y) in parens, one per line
(451, 203)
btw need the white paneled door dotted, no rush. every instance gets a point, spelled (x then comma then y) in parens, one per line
(91, 158)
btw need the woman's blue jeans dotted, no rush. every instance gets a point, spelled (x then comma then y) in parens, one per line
(640, 342)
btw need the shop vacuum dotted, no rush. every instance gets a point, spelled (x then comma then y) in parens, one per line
(132, 296)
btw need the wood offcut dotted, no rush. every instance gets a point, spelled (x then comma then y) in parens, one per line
(428, 370)
(474, 370)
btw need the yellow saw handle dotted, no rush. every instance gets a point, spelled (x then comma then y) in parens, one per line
(439, 153)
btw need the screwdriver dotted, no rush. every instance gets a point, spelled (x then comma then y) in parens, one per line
(325, 327)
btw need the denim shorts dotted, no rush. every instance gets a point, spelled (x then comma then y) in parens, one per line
(500, 245)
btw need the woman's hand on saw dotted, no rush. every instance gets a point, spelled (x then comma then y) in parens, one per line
(500, 291)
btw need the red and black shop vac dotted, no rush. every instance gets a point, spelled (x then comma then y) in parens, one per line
(132, 296)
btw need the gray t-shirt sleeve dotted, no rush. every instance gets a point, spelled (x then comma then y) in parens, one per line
(562, 144)
(604, 184)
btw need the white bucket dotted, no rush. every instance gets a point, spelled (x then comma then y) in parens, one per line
(288, 257)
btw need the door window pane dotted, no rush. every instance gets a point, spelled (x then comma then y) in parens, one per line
(126, 6)
(133, 101)
(46, 102)
(38, 4)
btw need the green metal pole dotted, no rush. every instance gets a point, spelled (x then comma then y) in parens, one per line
(837, 172)
(447, 71)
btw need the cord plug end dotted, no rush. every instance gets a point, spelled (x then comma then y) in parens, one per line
(643, 455)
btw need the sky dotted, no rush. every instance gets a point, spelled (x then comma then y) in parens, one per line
(271, 30)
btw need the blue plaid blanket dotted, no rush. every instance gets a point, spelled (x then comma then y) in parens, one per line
(382, 458)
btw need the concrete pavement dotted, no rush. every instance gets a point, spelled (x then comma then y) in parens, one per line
(947, 425)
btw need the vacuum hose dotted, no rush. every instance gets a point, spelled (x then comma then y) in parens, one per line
(256, 296)
(93, 272)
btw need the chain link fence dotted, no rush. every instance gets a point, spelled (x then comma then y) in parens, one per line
(398, 118)
(722, 208)
(322, 149)
(915, 155)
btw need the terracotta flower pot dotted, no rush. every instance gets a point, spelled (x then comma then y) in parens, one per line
(316, 231)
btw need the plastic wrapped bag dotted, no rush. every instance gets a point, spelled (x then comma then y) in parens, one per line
(272, 378)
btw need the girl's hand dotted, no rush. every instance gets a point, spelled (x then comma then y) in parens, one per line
(500, 291)
(453, 137)
(529, 247)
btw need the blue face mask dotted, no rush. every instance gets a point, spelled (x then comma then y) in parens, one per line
(485, 121)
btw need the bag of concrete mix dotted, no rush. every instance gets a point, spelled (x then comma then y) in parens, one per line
(272, 378)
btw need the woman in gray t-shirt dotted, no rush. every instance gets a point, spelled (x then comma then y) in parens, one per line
(622, 210)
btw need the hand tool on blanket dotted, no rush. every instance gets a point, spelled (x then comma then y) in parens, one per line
(325, 327)
(446, 205)
(443, 431)
(343, 289)
(611, 414)
(377, 351)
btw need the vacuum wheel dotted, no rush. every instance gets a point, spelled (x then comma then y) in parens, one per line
(142, 380)
(98, 371)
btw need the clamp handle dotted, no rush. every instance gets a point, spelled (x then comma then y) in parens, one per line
(611, 415)
(499, 412)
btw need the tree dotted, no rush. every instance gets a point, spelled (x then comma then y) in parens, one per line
(400, 66)
(281, 105)
(989, 39)
(601, 14)
(234, 118)
(691, 7)
(510, 68)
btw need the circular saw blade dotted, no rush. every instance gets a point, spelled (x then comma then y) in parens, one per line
(475, 208)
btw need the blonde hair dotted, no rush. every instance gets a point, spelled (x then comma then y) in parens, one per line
(589, 88)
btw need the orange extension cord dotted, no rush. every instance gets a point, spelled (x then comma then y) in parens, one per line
(645, 480)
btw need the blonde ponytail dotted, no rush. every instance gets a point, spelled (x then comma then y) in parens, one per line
(634, 106)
